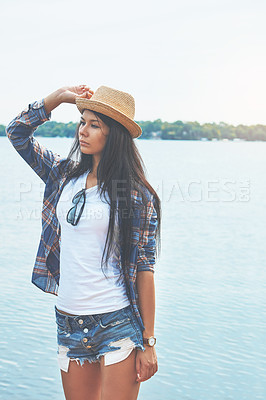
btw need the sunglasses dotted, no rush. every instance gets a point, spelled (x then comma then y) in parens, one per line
(75, 212)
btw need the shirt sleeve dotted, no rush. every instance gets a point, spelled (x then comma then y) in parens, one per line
(147, 243)
(20, 133)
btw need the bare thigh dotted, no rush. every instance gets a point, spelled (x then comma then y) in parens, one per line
(82, 382)
(118, 381)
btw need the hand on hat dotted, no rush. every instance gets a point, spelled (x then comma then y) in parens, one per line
(69, 93)
(66, 94)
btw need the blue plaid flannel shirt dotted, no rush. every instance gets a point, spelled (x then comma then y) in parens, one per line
(46, 270)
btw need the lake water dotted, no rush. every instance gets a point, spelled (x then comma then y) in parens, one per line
(210, 278)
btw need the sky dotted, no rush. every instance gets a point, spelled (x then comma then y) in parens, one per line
(188, 60)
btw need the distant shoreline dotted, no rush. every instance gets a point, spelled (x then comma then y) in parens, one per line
(160, 130)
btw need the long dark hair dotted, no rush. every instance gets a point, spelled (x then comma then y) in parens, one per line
(120, 170)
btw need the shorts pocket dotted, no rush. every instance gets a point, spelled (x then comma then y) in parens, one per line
(107, 320)
(61, 325)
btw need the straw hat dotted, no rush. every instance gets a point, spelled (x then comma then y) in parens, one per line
(115, 104)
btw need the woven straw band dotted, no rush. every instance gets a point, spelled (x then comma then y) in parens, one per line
(115, 104)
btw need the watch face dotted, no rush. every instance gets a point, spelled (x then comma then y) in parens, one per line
(151, 341)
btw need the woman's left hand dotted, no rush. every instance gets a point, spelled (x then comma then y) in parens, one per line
(146, 363)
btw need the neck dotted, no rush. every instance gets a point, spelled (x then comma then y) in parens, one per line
(96, 160)
(93, 174)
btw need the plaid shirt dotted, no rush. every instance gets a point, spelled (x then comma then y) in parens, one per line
(45, 163)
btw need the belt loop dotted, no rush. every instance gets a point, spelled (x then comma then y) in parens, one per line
(68, 324)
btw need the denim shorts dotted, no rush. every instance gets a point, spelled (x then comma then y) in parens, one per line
(88, 337)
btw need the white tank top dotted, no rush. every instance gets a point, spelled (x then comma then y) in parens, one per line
(83, 288)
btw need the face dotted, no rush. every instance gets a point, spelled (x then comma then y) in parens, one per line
(93, 133)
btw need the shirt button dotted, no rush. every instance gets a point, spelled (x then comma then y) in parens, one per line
(85, 330)
(80, 321)
(85, 340)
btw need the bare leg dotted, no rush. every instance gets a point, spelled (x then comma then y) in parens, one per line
(82, 382)
(119, 379)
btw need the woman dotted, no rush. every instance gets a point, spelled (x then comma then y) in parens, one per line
(100, 225)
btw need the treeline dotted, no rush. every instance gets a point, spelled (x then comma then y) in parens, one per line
(194, 131)
(166, 131)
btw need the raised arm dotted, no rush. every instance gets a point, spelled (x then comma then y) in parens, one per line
(20, 130)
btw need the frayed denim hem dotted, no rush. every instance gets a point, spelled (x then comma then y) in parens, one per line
(111, 357)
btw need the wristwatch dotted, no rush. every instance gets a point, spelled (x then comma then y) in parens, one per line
(150, 341)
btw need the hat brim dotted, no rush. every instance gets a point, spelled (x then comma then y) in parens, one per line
(94, 105)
